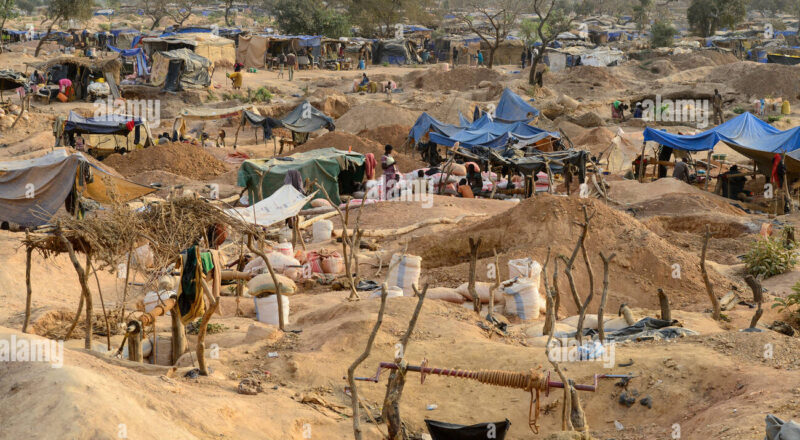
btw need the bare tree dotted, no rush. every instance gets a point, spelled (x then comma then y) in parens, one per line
(492, 24)
(156, 10)
(182, 11)
(552, 21)
(60, 10)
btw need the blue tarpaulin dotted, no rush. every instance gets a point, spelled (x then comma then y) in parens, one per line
(142, 69)
(744, 132)
(426, 123)
(489, 133)
(513, 108)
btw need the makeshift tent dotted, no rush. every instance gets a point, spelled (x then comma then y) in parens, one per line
(512, 108)
(304, 119)
(538, 162)
(218, 50)
(337, 171)
(252, 51)
(489, 133)
(106, 134)
(81, 71)
(284, 203)
(428, 124)
(395, 52)
(53, 178)
(266, 123)
(746, 134)
(140, 60)
(179, 69)
(10, 80)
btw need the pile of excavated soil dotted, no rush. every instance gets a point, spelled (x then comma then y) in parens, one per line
(669, 196)
(394, 135)
(759, 80)
(460, 78)
(687, 61)
(370, 115)
(644, 261)
(178, 158)
(731, 236)
(595, 140)
(343, 141)
(592, 76)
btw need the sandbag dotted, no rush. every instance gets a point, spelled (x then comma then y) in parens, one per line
(391, 292)
(322, 231)
(455, 169)
(404, 273)
(445, 294)
(319, 203)
(522, 268)
(522, 299)
(142, 257)
(483, 290)
(277, 260)
(262, 285)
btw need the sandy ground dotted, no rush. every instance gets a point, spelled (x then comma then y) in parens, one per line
(719, 384)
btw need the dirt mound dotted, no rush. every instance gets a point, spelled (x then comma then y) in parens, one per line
(587, 120)
(370, 115)
(759, 80)
(394, 134)
(731, 235)
(644, 261)
(178, 158)
(593, 76)
(595, 139)
(669, 196)
(343, 141)
(693, 60)
(460, 78)
(662, 67)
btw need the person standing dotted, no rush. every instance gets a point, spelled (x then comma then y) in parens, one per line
(480, 58)
(281, 64)
(455, 55)
(389, 167)
(291, 61)
(524, 57)
(717, 101)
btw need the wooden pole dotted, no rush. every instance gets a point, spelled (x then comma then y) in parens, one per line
(260, 252)
(663, 300)
(135, 342)
(709, 289)
(179, 344)
(473, 261)
(103, 306)
(708, 169)
(758, 298)
(28, 253)
(84, 285)
(641, 163)
(604, 296)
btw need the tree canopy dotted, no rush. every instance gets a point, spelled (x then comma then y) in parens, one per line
(707, 16)
(309, 17)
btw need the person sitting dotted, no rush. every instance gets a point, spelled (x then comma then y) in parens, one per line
(618, 110)
(80, 144)
(681, 170)
(732, 182)
(364, 80)
(164, 138)
(465, 190)
(474, 178)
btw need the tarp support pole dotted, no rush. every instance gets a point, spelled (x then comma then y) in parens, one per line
(641, 163)
(708, 169)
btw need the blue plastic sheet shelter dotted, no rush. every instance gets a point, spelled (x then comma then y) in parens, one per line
(427, 123)
(700, 142)
(494, 134)
(142, 69)
(512, 108)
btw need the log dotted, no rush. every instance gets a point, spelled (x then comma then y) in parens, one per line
(179, 344)
(383, 233)
(135, 341)
(84, 285)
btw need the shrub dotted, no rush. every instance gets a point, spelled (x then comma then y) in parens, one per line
(738, 110)
(774, 118)
(262, 94)
(793, 300)
(770, 257)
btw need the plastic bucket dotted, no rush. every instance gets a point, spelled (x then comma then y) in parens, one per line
(267, 309)
(322, 231)
(285, 248)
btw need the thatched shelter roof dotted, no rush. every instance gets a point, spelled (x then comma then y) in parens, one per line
(105, 64)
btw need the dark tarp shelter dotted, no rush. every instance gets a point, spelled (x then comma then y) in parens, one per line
(179, 69)
(80, 71)
(10, 80)
(334, 169)
(266, 123)
(304, 119)
(531, 165)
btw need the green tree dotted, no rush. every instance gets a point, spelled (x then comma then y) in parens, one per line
(706, 16)
(60, 10)
(6, 11)
(310, 17)
(379, 18)
(662, 33)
